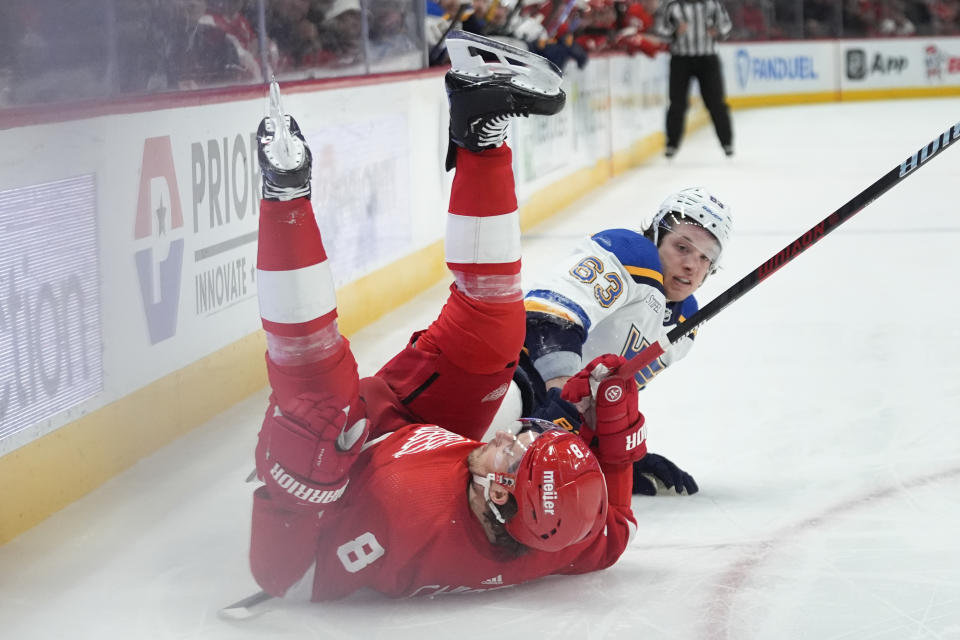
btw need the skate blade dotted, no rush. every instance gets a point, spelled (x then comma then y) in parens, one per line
(528, 69)
(249, 607)
(286, 151)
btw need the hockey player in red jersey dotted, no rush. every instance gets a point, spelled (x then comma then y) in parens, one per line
(379, 483)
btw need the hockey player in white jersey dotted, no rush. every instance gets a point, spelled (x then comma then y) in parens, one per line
(619, 291)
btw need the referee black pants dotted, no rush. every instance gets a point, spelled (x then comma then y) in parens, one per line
(706, 69)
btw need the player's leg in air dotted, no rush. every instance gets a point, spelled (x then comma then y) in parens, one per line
(456, 373)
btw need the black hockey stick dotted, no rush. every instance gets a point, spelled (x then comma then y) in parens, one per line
(795, 248)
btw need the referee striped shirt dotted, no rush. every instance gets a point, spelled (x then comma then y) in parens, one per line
(700, 16)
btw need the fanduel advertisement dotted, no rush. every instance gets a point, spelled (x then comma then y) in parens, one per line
(773, 68)
(778, 68)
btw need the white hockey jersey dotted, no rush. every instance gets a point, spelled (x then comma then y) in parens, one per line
(607, 298)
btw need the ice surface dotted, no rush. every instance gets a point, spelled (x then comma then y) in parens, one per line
(818, 414)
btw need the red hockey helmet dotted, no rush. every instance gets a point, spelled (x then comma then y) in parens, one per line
(558, 485)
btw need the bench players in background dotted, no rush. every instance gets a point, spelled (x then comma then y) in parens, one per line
(619, 291)
(378, 483)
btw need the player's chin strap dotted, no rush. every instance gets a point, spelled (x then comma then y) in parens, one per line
(505, 479)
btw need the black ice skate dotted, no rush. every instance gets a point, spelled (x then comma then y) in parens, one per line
(284, 157)
(491, 82)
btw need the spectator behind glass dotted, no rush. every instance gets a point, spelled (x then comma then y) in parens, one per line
(469, 15)
(227, 16)
(8, 28)
(634, 24)
(341, 34)
(946, 14)
(201, 54)
(784, 18)
(390, 30)
(54, 53)
(318, 10)
(750, 21)
(919, 14)
(526, 23)
(820, 19)
(165, 45)
(497, 16)
(894, 20)
(289, 26)
(474, 19)
(598, 25)
(441, 16)
(859, 18)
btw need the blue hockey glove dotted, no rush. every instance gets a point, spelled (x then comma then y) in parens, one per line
(655, 475)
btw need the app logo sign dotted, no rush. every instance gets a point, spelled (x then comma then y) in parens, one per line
(856, 64)
(159, 217)
(860, 65)
(773, 68)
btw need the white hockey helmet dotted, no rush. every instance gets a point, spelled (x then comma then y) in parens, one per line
(697, 206)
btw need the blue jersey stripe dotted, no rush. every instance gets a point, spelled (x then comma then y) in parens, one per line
(562, 301)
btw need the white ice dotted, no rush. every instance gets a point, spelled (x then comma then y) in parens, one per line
(819, 414)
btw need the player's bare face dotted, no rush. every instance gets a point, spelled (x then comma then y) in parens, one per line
(686, 254)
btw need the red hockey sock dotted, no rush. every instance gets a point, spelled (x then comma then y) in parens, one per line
(295, 287)
(483, 227)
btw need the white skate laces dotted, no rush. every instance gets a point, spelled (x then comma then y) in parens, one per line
(494, 131)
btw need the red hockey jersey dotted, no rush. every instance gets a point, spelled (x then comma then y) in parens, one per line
(404, 527)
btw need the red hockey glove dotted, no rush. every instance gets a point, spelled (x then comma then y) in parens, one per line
(615, 420)
(582, 387)
(305, 452)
